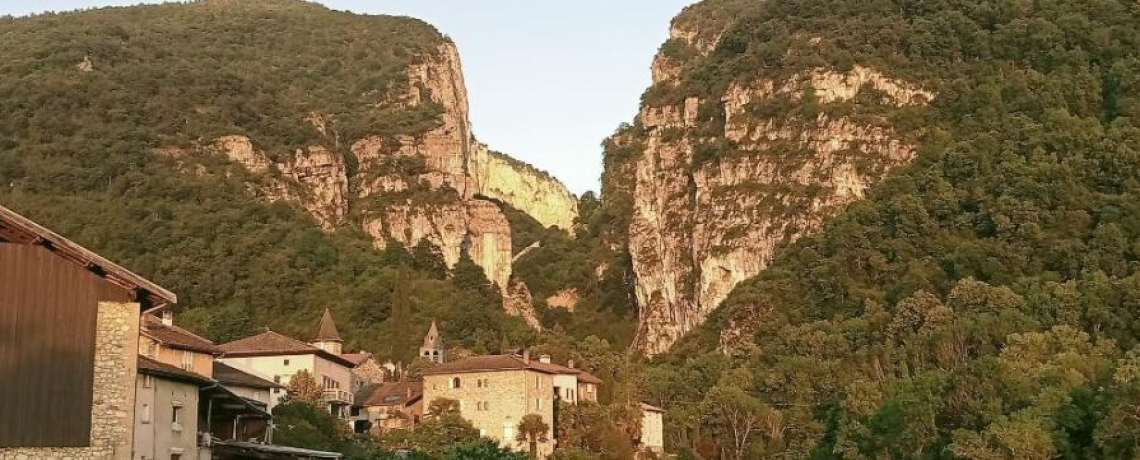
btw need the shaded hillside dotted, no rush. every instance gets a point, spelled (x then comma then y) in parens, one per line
(980, 302)
(207, 144)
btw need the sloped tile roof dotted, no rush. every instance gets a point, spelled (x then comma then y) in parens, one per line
(507, 362)
(270, 343)
(357, 358)
(389, 394)
(159, 369)
(229, 375)
(177, 338)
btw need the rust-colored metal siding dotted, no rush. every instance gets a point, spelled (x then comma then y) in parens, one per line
(48, 309)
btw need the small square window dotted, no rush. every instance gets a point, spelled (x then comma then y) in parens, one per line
(286, 362)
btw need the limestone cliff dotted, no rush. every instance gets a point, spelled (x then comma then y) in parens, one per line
(717, 182)
(527, 189)
(438, 185)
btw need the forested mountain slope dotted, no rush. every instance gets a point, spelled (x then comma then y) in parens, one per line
(268, 159)
(980, 302)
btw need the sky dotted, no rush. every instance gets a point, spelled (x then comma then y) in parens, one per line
(548, 80)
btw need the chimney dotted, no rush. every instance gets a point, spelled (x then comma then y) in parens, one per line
(167, 317)
(526, 356)
(544, 359)
(570, 364)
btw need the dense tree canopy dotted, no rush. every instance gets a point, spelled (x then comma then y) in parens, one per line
(979, 303)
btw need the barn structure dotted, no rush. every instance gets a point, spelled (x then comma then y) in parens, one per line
(69, 331)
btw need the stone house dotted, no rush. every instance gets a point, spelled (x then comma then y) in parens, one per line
(166, 407)
(389, 406)
(276, 357)
(68, 386)
(495, 392)
(162, 341)
(366, 370)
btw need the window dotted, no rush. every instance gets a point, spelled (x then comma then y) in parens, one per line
(175, 456)
(176, 417)
(538, 403)
(486, 405)
(145, 415)
(277, 379)
(148, 381)
(536, 379)
(479, 405)
(454, 383)
(286, 362)
(187, 360)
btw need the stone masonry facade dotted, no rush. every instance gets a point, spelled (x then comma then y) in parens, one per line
(112, 411)
(495, 401)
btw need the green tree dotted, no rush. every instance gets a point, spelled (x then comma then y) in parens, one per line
(532, 430)
(303, 388)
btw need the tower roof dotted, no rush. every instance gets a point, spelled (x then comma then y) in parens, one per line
(327, 332)
(431, 340)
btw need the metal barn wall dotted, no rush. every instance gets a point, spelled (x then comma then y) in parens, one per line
(48, 310)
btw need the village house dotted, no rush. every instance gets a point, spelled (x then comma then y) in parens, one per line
(496, 391)
(276, 357)
(161, 340)
(69, 354)
(166, 408)
(385, 406)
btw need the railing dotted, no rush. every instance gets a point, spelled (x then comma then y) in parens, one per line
(333, 395)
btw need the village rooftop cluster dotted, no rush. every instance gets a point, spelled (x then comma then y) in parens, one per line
(93, 366)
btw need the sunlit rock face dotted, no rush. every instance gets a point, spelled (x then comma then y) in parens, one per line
(440, 186)
(703, 222)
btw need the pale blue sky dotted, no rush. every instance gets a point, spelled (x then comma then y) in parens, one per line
(548, 80)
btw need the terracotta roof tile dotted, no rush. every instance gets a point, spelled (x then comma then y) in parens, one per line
(270, 343)
(151, 367)
(357, 358)
(507, 362)
(177, 338)
(229, 375)
(389, 394)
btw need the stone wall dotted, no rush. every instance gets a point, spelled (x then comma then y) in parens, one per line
(508, 395)
(112, 411)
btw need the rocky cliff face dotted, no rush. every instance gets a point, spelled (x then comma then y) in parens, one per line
(718, 182)
(439, 185)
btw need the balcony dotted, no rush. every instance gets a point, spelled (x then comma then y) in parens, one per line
(336, 396)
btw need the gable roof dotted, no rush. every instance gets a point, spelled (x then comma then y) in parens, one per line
(270, 343)
(389, 394)
(15, 228)
(229, 375)
(506, 363)
(162, 370)
(552, 368)
(176, 337)
(326, 331)
(357, 358)
(649, 408)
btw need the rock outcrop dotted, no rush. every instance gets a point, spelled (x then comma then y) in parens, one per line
(440, 185)
(709, 209)
(315, 178)
(529, 190)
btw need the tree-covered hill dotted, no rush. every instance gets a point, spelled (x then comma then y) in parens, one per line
(92, 102)
(980, 303)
